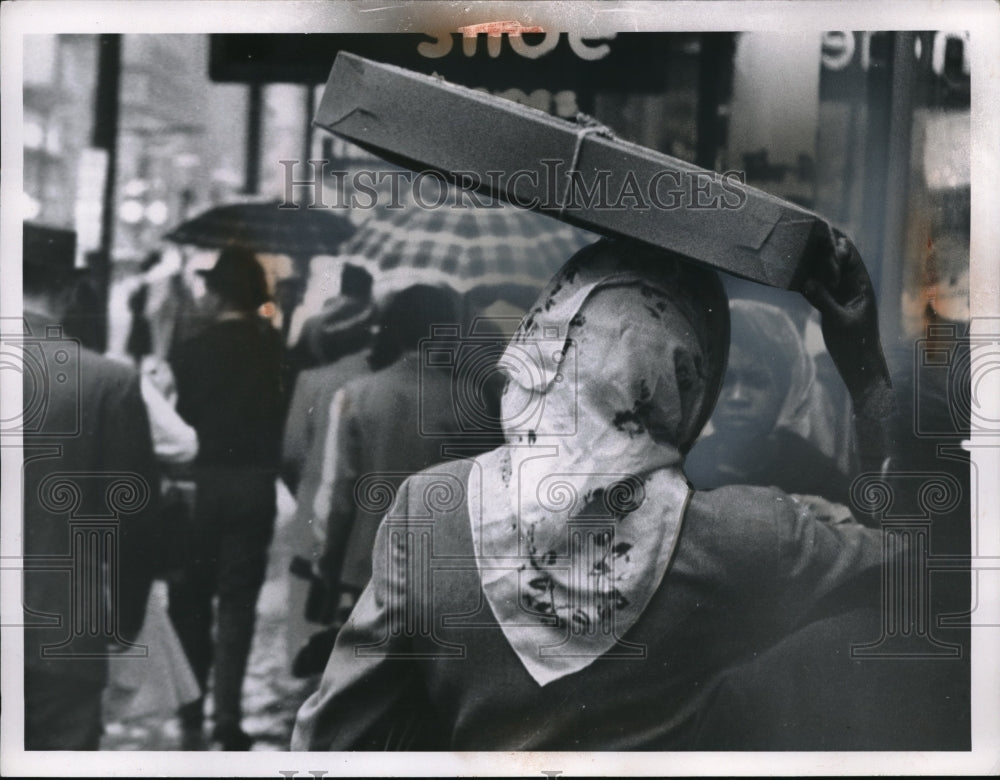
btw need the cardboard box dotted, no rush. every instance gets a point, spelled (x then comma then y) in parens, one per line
(576, 172)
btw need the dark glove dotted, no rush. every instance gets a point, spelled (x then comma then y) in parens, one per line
(839, 287)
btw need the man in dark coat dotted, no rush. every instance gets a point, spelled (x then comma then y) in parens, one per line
(229, 390)
(90, 503)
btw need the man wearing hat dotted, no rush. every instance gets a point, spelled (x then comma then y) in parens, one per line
(343, 325)
(229, 389)
(90, 506)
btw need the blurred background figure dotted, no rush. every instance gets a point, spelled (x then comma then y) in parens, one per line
(86, 424)
(341, 327)
(347, 333)
(229, 390)
(504, 307)
(169, 681)
(774, 423)
(83, 315)
(384, 426)
(285, 239)
(344, 331)
(140, 336)
(174, 441)
(153, 307)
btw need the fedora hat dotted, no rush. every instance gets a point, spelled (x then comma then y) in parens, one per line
(49, 257)
(238, 278)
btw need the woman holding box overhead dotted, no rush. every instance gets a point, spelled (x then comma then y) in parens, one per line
(569, 590)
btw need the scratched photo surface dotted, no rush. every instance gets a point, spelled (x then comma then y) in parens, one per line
(445, 385)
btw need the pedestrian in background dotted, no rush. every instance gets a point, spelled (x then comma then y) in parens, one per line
(775, 423)
(341, 327)
(302, 459)
(383, 427)
(87, 452)
(229, 389)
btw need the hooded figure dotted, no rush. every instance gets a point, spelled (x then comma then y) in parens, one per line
(612, 376)
(569, 590)
(774, 423)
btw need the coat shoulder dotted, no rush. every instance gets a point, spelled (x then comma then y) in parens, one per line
(436, 492)
(740, 517)
(101, 373)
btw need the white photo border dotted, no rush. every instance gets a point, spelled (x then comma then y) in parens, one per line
(982, 19)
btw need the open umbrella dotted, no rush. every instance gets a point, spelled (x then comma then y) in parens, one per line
(300, 233)
(465, 248)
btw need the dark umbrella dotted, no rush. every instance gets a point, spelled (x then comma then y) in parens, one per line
(300, 233)
(267, 228)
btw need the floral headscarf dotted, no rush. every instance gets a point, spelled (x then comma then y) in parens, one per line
(611, 377)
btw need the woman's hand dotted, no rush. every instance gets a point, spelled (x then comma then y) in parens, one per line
(839, 287)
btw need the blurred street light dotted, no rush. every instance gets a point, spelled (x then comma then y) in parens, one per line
(157, 213)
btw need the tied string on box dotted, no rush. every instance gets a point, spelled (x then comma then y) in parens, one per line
(586, 126)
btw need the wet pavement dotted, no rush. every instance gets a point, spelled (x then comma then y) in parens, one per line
(271, 695)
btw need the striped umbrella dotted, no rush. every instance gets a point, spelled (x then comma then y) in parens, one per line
(464, 248)
(264, 227)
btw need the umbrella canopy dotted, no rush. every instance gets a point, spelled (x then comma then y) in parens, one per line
(464, 248)
(266, 228)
